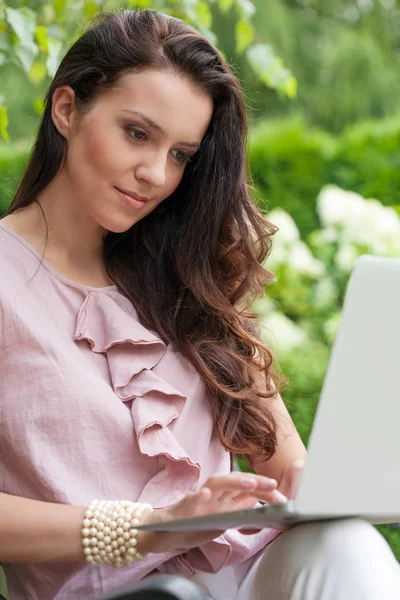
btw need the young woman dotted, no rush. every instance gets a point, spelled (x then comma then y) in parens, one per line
(130, 370)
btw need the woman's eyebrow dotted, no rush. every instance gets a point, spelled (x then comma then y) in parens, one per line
(157, 127)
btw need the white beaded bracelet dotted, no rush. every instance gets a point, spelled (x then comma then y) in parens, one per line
(108, 532)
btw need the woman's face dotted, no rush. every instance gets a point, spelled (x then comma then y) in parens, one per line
(137, 137)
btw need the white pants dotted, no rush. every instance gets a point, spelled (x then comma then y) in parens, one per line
(335, 560)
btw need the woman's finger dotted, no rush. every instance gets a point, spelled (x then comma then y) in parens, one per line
(271, 497)
(240, 481)
(193, 504)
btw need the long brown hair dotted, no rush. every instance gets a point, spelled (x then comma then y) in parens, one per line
(193, 265)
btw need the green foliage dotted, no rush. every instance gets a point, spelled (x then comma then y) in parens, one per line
(270, 69)
(35, 41)
(291, 162)
(299, 314)
(22, 22)
(393, 538)
(13, 159)
(4, 123)
(344, 55)
(3, 585)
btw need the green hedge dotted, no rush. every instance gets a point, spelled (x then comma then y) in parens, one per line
(291, 162)
(12, 162)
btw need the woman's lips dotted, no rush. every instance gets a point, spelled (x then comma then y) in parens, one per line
(134, 202)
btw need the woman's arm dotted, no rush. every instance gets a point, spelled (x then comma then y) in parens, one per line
(33, 532)
(290, 448)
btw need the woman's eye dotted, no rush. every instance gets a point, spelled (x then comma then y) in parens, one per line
(137, 134)
(181, 157)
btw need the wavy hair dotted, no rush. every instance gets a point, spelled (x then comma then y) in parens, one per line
(193, 265)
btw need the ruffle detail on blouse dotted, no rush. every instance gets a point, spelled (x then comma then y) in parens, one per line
(140, 365)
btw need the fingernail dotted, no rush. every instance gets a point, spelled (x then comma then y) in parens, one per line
(279, 496)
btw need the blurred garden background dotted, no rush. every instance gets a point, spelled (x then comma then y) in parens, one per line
(322, 87)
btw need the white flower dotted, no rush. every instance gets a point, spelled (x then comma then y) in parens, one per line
(346, 257)
(263, 306)
(288, 232)
(281, 333)
(376, 222)
(337, 207)
(325, 292)
(329, 235)
(385, 218)
(289, 249)
(357, 225)
(301, 260)
(278, 256)
(381, 228)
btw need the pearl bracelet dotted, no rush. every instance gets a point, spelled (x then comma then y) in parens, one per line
(108, 532)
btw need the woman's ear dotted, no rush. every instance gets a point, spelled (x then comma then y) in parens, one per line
(63, 110)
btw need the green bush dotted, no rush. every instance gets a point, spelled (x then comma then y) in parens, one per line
(300, 313)
(289, 165)
(291, 162)
(12, 162)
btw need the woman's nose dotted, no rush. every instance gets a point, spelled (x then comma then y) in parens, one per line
(153, 171)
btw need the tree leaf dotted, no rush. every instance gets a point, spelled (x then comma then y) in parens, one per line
(54, 57)
(139, 3)
(4, 44)
(41, 37)
(37, 72)
(90, 8)
(25, 54)
(38, 105)
(23, 22)
(225, 5)
(245, 8)
(244, 35)
(203, 14)
(4, 123)
(291, 87)
(59, 7)
(270, 69)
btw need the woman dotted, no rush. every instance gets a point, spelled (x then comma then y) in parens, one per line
(129, 366)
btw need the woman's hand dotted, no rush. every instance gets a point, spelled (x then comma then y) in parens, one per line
(289, 484)
(220, 493)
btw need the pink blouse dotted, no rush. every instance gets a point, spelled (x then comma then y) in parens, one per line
(94, 405)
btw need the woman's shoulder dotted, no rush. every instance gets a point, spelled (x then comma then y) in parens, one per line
(15, 258)
(19, 267)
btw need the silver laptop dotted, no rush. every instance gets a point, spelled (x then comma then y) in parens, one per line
(353, 463)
